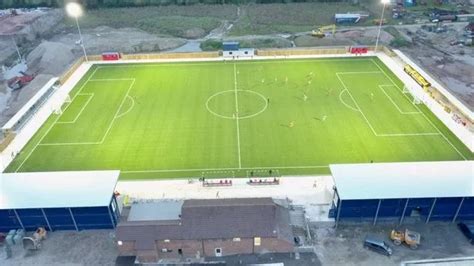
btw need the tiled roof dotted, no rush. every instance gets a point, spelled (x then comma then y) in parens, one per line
(214, 219)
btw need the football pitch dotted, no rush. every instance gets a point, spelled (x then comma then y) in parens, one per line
(222, 119)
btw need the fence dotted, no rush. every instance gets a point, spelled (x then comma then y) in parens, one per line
(169, 56)
(64, 77)
(7, 139)
(302, 52)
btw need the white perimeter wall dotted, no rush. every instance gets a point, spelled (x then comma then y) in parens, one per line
(436, 84)
(39, 118)
(462, 132)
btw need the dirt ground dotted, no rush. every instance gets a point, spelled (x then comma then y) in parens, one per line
(452, 65)
(92, 247)
(341, 246)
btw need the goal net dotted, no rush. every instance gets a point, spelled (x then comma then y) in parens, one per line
(60, 103)
(416, 96)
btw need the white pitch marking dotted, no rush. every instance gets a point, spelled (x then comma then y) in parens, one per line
(129, 109)
(237, 115)
(361, 72)
(118, 110)
(233, 117)
(394, 103)
(385, 74)
(91, 95)
(357, 105)
(408, 134)
(380, 86)
(106, 132)
(56, 120)
(347, 105)
(69, 143)
(370, 125)
(122, 79)
(429, 121)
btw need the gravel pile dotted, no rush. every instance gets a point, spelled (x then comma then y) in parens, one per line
(50, 58)
(124, 40)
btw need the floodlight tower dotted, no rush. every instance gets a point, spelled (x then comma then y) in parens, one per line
(20, 59)
(384, 2)
(74, 10)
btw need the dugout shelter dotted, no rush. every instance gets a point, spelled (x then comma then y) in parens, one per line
(233, 50)
(416, 190)
(58, 200)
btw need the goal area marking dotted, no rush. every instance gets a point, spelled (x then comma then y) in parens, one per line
(79, 92)
(90, 96)
(424, 115)
(394, 103)
(116, 115)
(338, 75)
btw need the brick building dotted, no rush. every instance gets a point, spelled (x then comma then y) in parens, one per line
(204, 228)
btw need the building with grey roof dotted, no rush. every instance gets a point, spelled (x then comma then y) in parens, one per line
(204, 228)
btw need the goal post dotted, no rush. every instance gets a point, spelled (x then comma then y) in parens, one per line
(405, 90)
(59, 102)
(417, 96)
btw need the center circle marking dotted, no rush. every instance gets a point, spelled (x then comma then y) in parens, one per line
(264, 99)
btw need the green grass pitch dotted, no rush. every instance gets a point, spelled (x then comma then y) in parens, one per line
(178, 120)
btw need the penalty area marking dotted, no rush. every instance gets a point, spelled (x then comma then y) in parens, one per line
(129, 109)
(346, 104)
(370, 125)
(238, 117)
(117, 115)
(381, 87)
(56, 120)
(394, 103)
(423, 114)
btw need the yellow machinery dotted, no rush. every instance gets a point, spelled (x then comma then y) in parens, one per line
(410, 238)
(321, 31)
(417, 77)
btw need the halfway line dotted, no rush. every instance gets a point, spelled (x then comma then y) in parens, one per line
(237, 116)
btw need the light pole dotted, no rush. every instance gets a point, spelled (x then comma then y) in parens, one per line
(20, 59)
(384, 2)
(74, 10)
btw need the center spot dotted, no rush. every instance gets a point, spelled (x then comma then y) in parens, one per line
(249, 103)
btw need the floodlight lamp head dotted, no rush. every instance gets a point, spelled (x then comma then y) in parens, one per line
(385, 1)
(74, 9)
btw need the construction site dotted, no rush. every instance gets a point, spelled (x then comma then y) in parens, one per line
(46, 41)
(405, 210)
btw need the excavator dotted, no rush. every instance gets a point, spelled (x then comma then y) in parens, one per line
(324, 31)
(19, 82)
